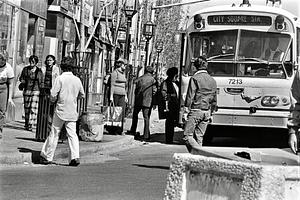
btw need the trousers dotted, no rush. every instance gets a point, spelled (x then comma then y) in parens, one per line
(50, 144)
(146, 115)
(3, 104)
(195, 128)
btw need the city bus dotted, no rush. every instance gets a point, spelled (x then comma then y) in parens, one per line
(253, 53)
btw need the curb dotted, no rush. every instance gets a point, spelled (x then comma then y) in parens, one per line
(102, 148)
(61, 153)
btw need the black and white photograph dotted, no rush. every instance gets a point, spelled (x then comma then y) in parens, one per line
(149, 99)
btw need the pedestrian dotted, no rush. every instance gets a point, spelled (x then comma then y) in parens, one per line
(170, 94)
(118, 92)
(143, 100)
(31, 81)
(201, 102)
(6, 89)
(46, 110)
(118, 82)
(50, 71)
(294, 120)
(65, 92)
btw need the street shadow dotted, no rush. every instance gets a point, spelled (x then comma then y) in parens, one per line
(112, 130)
(35, 155)
(152, 166)
(16, 127)
(251, 137)
(161, 138)
(29, 139)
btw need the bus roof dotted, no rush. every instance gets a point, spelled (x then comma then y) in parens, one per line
(293, 6)
(245, 8)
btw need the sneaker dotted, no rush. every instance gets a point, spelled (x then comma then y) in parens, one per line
(44, 161)
(74, 162)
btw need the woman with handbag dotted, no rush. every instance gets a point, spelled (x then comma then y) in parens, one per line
(31, 80)
(118, 82)
(6, 89)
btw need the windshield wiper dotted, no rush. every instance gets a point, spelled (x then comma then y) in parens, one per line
(254, 59)
(220, 56)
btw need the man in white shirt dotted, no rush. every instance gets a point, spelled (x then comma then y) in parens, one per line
(65, 92)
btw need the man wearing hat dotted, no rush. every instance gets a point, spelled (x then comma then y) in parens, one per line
(144, 92)
(201, 102)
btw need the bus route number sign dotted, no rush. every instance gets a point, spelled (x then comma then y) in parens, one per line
(239, 20)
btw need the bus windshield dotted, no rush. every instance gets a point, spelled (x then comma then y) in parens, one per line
(265, 46)
(242, 53)
(219, 45)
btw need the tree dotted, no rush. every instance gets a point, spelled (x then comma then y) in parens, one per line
(167, 22)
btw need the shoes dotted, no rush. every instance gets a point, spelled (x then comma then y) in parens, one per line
(137, 136)
(74, 162)
(132, 133)
(28, 128)
(142, 139)
(44, 161)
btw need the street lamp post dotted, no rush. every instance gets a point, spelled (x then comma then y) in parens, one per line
(159, 48)
(148, 33)
(129, 10)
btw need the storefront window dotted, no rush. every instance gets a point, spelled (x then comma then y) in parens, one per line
(5, 25)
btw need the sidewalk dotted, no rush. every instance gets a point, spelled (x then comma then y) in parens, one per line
(19, 146)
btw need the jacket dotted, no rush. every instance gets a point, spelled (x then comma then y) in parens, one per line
(145, 90)
(202, 92)
(32, 80)
(170, 95)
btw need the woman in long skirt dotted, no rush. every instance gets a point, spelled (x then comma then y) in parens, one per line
(32, 79)
(46, 109)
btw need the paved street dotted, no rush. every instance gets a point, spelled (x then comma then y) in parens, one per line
(137, 173)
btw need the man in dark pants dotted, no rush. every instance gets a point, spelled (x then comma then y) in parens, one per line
(144, 92)
(169, 91)
(201, 101)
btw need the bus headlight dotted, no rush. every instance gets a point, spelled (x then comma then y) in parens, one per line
(270, 101)
(285, 101)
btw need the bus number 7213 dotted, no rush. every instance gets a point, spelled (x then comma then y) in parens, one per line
(235, 81)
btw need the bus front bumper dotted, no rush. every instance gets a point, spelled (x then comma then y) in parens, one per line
(267, 119)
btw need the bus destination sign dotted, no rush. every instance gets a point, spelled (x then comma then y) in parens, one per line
(250, 20)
